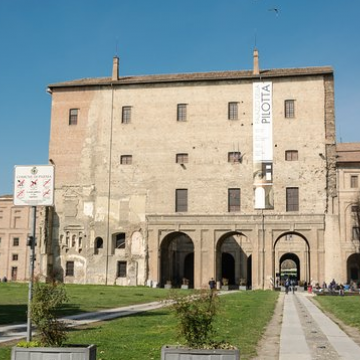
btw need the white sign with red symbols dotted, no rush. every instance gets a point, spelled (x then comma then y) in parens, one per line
(34, 185)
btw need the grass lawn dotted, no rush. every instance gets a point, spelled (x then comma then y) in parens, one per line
(82, 298)
(345, 308)
(242, 320)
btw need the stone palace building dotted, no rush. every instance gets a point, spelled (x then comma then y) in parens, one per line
(174, 179)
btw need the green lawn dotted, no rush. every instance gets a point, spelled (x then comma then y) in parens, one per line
(242, 320)
(345, 308)
(82, 298)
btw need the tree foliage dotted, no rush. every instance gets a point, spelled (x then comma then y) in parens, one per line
(47, 299)
(196, 314)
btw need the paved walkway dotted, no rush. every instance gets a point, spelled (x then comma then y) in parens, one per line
(307, 333)
(16, 332)
(298, 330)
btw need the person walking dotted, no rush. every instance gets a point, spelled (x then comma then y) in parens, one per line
(287, 284)
(212, 284)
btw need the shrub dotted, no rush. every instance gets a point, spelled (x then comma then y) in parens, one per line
(47, 299)
(196, 314)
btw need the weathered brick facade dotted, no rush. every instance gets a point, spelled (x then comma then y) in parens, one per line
(100, 201)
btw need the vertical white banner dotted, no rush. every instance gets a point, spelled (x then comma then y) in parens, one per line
(263, 145)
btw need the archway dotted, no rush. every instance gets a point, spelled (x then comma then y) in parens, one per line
(177, 260)
(353, 268)
(232, 259)
(289, 267)
(291, 257)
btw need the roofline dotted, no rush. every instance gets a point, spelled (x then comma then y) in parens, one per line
(195, 77)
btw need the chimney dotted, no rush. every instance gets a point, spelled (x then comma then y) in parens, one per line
(115, 71)
(256, 70)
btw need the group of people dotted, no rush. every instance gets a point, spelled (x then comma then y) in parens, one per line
(289, 285)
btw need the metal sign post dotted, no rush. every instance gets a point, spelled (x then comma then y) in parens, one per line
(33, 186)
(31, 244)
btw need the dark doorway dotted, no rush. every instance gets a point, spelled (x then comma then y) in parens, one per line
(353, 268)
(249, 273)
(228, 268)
(177, 260)
(289, 267)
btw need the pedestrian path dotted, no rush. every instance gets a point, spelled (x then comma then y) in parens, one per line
(17, 332)
(307, 333)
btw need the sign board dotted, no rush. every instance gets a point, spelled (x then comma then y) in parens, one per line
(263, 145)
(34, 185)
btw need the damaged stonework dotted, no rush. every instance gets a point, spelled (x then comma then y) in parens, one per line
(85, 251)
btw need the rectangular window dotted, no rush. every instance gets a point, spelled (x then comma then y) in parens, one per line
(121, 269)
(126, 159)
(126, 114)
(354, 208)
(292, 199)
(289, 109)
(233, 200)
(291, 155)
(120, 241)
(354, 181)
(16, 241)
(73, 116)
(234, 156)
(182, 158)
(181, 112)
(14, 271)
(233, 111)
(356, 233)
(15, 257)
(181, 200)
(69, 271)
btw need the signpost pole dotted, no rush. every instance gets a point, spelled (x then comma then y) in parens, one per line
(33, 186)
(31, 244)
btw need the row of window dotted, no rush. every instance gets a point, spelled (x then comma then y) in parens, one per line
(233, 157)
(181, 112)
(121, 269)
(234, 199)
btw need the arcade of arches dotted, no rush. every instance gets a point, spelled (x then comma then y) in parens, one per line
(232, 261)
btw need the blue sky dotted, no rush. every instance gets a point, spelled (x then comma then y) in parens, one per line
(45, 41)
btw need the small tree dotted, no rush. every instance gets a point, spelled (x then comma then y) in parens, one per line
(196, 314)
(47, 299)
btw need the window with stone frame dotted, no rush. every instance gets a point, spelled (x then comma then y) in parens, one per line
(126, 114)
(120, 241)
(289, 109)
(234, 157)
(291, 155)
(181, 200)
(69, 268)
(126, 159)
(181, 112)
(233, 200)
(73, 116)
(15, 257)
(233, 110)
(16, 241)
(121, 269)
(182, 158)
(292, 199)
(354, 181)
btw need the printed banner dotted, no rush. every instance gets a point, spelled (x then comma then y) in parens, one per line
(263, 145)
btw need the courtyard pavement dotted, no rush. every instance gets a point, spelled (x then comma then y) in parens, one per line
(298, 330)
(307, 333)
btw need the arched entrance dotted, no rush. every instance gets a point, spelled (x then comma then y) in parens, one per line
(289, 267)
(353, 268)
(177, 260)
(232, 259)
(291, 258)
